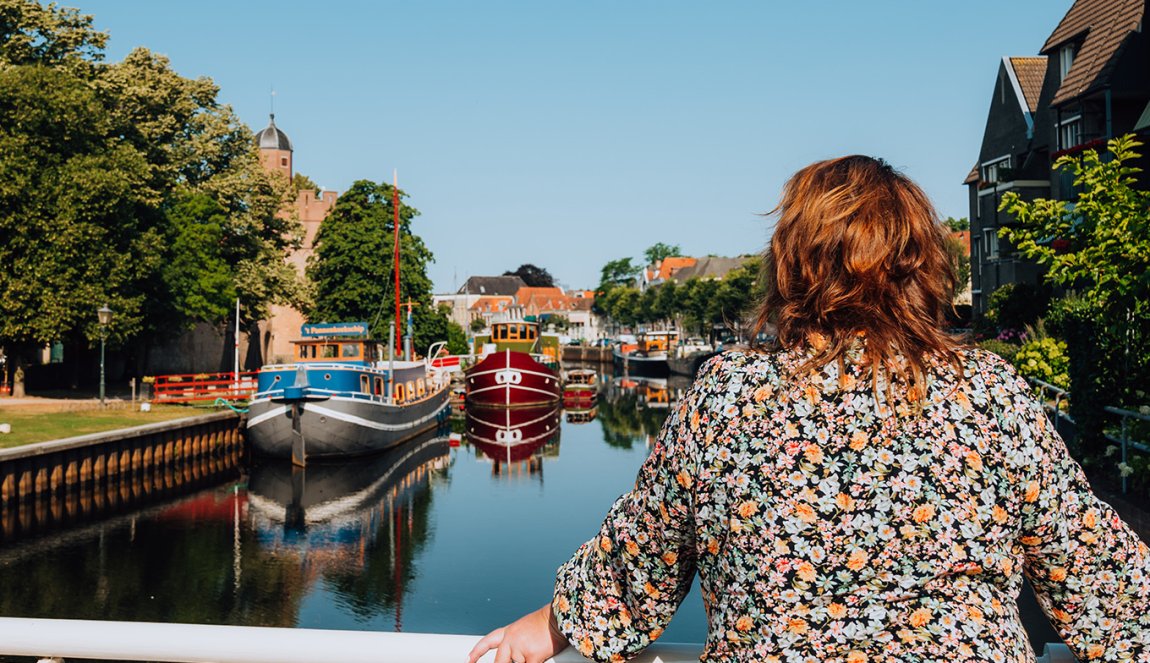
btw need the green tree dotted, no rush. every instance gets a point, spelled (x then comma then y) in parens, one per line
(478, 325)
(100, 163)
(352, 266)
(618, 272)
(1098, 248)
(957, 225)
(658, 251)
(959, 262)
(534, 277)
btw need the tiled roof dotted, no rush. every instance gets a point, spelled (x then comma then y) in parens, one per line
(711, 267)
(1106, 24)
(1030, 71)
(491, 304)
(672, 264)
(527, 293)
(972, 176)
(492, 285)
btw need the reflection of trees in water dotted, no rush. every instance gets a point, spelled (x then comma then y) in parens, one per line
(626, 418)
(183, 574)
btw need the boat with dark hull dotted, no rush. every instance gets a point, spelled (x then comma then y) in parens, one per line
(341, 398)
(518, 367)
(649, 356)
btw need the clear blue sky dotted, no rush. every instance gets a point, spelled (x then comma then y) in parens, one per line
(567, 134)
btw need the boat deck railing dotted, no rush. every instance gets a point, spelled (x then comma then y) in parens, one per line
(62, 639)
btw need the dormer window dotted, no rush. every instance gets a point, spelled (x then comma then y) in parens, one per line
(1066, 60)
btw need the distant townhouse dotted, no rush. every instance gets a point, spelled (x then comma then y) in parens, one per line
(1091, 82)
(684, 268)
(474, 289)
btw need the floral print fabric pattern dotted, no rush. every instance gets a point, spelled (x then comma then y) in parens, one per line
(827, 525)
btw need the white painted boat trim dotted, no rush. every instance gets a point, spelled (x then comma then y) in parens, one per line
(349, 418)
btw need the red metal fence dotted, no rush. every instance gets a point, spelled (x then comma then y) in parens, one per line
(198, 387)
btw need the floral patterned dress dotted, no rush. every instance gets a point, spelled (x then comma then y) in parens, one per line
(826, 525)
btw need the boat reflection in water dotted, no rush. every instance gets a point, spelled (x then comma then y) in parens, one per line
(351, 523)
(632, 408)
(515, 439)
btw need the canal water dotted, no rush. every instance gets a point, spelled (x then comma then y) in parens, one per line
(432, 537)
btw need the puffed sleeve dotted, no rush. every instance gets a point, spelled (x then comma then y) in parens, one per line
(1090, 571)
(621, 588)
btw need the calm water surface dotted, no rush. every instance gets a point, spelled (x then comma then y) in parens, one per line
(429, 538)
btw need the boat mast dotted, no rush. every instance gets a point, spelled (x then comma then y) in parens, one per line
(395, 258)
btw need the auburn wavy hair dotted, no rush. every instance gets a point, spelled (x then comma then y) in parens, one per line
(859, 250)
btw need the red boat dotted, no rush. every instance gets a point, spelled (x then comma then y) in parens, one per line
(509, 378)
(511, 434)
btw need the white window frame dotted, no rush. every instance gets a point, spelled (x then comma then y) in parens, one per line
(990, 240)
(1063, 142)
(1066, 56)
(992, 167)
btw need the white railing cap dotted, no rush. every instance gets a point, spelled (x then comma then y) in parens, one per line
(200, 643)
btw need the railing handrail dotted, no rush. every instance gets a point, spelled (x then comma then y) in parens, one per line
(1127, 413)
(201, 643)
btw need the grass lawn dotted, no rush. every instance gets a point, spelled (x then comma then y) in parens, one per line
(38, 424)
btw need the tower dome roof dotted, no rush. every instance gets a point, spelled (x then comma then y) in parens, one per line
(271, 138)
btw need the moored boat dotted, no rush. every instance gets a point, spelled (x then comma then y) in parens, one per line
(519, 367)
(649, 357)
(341, 398)
(580, 387)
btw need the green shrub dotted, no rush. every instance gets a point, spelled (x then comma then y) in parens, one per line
(1001, 348)
(1044, 359)
(1016, 305)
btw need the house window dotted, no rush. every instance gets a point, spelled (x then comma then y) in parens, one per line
(1066, 60)
(990, 240)
(997, 170)
(283, 161)
(1070, 132)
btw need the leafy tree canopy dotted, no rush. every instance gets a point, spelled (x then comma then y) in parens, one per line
(957, 225)
(534, 277)
(618, 272)
(114, 174)
(1100, 244)
(656, 253)
(352, 266)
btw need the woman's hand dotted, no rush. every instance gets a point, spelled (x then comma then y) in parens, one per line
(533, 638)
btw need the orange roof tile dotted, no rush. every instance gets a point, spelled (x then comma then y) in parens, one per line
(1106, 24)
(1030, 72)
(672, 264)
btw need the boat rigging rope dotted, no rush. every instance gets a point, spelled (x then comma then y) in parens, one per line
(223, 401)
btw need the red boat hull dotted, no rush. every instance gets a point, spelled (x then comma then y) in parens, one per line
(512, 379)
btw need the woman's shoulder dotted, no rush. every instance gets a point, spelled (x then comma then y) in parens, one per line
(988, 369)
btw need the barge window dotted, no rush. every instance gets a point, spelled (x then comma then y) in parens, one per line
(365, 384)
(330, 351)
(350, 350)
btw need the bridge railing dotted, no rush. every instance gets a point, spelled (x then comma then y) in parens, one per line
(61, 639)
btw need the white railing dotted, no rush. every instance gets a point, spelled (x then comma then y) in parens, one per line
(198, 643)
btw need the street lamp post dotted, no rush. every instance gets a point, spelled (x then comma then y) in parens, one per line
(105, 315)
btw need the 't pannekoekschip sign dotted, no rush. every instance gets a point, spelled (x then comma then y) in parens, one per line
(333, 329)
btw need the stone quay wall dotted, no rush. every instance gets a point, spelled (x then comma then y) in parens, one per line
(45, 468)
